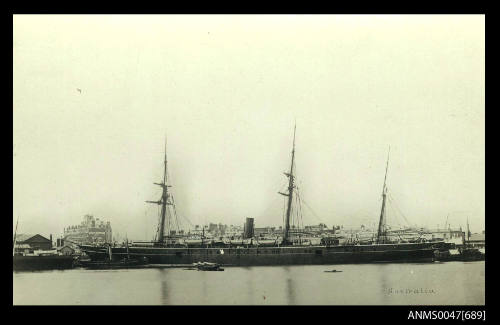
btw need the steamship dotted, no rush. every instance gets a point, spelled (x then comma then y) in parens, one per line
(167, 249)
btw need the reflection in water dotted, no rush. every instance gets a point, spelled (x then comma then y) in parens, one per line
(164, 286)
(384, 285)
(290, 290)
(204, 291)
(250, 284)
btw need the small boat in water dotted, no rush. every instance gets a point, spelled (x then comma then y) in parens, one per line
(333, 271)
(206, 266)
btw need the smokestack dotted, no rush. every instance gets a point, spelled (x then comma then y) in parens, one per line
(50, 240)
(248, 229)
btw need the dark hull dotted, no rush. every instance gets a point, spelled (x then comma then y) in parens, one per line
(33, 263)
(97, 265)
(298, 255)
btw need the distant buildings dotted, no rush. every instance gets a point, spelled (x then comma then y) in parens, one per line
(454, 236)
(264, 231)
(317, 228)
(335, 234)
(90, 231)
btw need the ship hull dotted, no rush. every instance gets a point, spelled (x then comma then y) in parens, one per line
(257, 256)
(34, 263)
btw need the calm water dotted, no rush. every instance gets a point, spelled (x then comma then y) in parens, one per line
(367, 284)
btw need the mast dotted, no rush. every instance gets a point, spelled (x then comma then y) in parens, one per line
(290, 192)
(164, 199)
(15, 234)
(381, 224)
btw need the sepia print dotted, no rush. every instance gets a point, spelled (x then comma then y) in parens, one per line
(248, 160)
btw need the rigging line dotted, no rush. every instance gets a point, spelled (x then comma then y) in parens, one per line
(397, 207)
(395, 213)
(283, 214)
(301, 214)
(170, 221)
(396, 219)
(175, 213)
(295, 212)
(307, 205)
(272, 203)
(158, 224)
(176, 221)
(297, 208)
(175, 210)
(300, 199)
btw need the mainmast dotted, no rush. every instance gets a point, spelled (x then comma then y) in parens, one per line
(381, 225)
(290, 193)
(164, 199)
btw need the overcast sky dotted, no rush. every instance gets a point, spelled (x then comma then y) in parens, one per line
(226, 91)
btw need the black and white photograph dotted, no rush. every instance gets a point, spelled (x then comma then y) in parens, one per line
(232, 159)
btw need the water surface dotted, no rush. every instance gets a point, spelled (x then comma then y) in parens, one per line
(365, 284)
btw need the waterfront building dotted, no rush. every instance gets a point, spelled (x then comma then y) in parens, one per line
(90, 231)
(27, 243)
(476, 240)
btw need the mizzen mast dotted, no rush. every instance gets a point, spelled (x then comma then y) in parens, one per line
(164, 201)
(381, 225)
(291, 177)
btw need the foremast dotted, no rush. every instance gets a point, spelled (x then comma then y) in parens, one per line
(291, 186)
(381, 233)
(164, 200)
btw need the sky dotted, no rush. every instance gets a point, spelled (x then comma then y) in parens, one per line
(95, 96)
